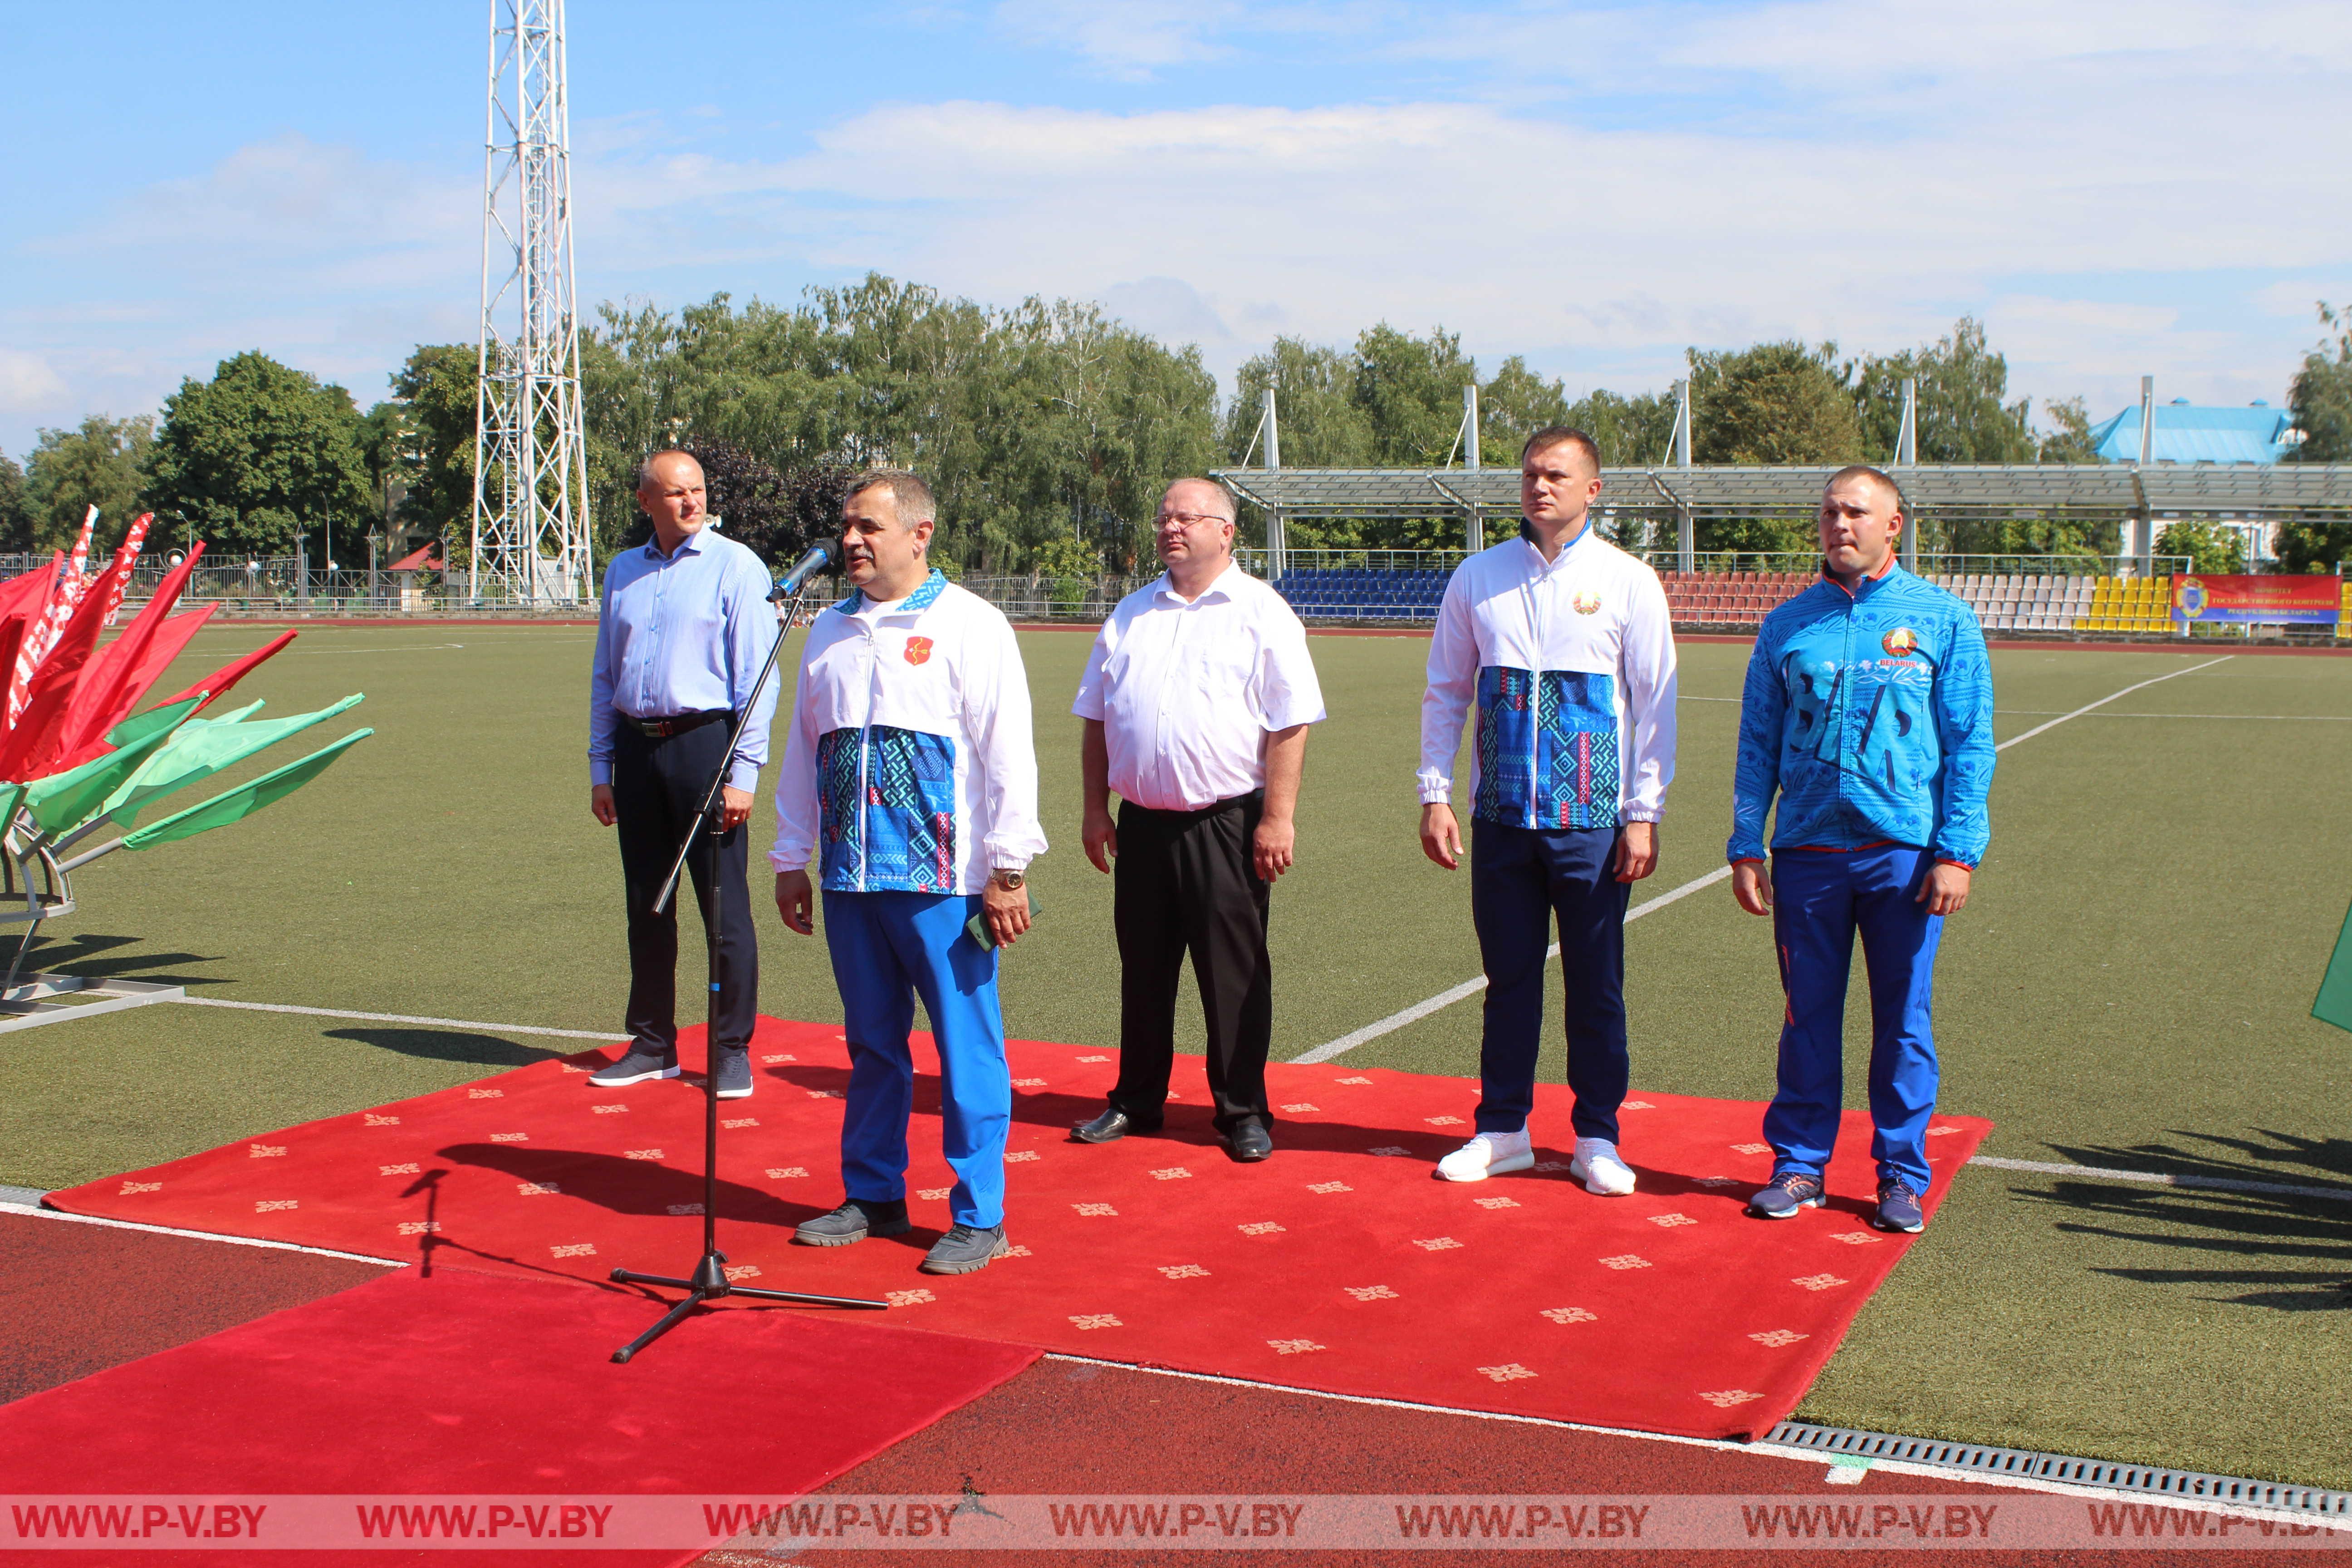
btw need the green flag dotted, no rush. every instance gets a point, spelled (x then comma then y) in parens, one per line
(242, 802)
(206, 746)
(139, 726)
(63, 799)
(2335, 1003)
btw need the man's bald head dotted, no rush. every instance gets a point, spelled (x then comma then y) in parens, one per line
(1204, 496)
(663, 467)
(670, 491)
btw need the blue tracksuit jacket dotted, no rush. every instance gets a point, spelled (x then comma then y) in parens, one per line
(1870, 712)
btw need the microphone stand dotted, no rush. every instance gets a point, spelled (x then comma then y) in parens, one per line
(708, 1281)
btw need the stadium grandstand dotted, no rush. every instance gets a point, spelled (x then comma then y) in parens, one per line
(1656, 513)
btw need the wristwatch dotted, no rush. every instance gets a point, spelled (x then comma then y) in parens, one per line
(1009, 878)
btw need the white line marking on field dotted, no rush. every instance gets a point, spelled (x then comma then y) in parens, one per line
(610, 1037)
(200, 1234)
(1468, 988)
(2161, 1179)
(2102, 702)
(1806, 1457)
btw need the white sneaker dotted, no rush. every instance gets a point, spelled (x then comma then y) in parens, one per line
(1599, 1168)
(1488, 1154)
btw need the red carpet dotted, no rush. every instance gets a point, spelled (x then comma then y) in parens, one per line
(469, 1383)
(1339, 1264)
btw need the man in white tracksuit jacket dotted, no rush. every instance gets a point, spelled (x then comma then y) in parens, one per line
(909, 776)
(1564, 644)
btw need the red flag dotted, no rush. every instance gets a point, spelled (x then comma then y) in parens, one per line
(26, 754)
(228, 675)
(39, 610)
(107, 692)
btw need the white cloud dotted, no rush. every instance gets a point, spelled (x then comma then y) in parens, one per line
(27, 384)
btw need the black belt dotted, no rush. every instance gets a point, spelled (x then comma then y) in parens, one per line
(663, 729)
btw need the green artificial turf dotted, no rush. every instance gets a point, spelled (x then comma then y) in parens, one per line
(2128, 988)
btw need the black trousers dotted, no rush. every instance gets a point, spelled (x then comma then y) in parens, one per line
(1185, 883)
(656, 786)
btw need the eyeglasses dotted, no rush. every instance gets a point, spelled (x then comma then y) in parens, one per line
(1188, 519)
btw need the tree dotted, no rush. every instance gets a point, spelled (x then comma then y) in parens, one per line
(16, 517)
(2212, 550)
(435, 389)
(1773, 403)
(1960, 417)
(2321, 395)
(1320, 423)
(261, 455)
(2068, 440)
(1631, 432)
(1410, 389)
(1512, 406)
(101, 462)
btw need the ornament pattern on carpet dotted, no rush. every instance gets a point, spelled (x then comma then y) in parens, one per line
(1667, 1310)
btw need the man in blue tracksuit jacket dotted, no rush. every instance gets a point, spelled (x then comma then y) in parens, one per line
(1868, 710)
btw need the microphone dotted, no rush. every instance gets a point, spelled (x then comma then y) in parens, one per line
(820, 556)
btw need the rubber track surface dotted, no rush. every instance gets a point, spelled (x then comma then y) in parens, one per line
(76, 1298)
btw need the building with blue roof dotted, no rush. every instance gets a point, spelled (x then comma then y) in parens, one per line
(2187, 433)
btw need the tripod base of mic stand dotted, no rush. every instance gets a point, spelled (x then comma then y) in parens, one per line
(710, 1282)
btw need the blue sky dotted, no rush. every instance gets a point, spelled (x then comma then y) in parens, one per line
(2114, 188)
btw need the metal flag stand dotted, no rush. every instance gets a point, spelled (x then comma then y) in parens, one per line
(708, 1281)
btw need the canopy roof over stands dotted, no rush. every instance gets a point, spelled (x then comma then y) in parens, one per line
(2282, 491)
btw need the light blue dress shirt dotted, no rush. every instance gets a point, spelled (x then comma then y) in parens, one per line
(684, 633)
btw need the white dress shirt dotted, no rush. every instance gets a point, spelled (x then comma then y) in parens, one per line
(1187, 693)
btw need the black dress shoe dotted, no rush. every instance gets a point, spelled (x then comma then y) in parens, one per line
(1249, 1143)
(1109, 1128)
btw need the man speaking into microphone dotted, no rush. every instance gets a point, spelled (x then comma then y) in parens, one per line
(685, 630)
(908, 781)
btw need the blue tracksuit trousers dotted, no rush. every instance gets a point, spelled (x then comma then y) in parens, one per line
(1521, 879)
(1820, 900)
(887, 950)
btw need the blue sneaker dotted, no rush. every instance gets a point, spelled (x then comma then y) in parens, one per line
(1898, 1207)
(1784, 1194)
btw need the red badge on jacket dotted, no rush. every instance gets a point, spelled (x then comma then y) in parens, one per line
(918, 650)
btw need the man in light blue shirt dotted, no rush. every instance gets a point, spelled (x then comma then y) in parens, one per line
(685, 630)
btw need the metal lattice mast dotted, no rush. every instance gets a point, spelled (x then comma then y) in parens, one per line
(531, 482)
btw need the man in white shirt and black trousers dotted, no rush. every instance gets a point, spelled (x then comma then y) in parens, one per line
(1196, 700)
(1564, 644)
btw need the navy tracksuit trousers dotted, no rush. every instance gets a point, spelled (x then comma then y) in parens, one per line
(1521, 881)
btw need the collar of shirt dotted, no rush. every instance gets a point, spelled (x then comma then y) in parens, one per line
(691, 546)
(926, 593)
(1535, 561)
(1164, 591)
(1867, 586)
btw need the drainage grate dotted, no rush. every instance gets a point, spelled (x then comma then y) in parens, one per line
(2024, 1464)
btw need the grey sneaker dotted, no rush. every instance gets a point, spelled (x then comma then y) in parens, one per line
(735, 1075)
(636, 1066)
(966, 1249)
(854, 1221)
(1898, 1207)
(1784, 1194)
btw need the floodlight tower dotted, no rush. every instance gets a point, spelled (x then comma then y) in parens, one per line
(530, 480)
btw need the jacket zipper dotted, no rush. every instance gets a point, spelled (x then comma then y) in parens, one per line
(865, 750)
